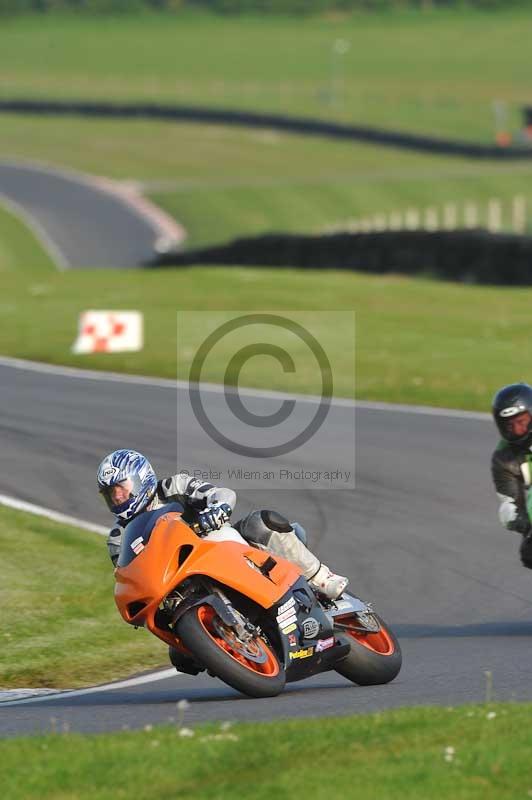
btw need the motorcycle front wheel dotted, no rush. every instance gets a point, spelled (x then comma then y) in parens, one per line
(250, 667)
(375, 657)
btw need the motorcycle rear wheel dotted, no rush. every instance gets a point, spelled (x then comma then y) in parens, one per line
(249, 667)
(375, 658)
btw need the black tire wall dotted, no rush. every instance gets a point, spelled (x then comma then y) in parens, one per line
(474, 256)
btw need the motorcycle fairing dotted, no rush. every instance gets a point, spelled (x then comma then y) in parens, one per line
(174, 553)
(301, 658)
(138, 532)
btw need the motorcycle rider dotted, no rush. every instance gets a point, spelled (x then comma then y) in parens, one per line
(129, 486)
(511, 464)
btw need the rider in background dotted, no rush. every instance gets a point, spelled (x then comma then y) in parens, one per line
(511, 464)
(129, 486)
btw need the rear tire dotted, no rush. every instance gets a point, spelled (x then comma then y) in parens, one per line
(375, 658)
(251, 668)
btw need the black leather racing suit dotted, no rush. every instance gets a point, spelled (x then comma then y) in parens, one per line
(511, 469)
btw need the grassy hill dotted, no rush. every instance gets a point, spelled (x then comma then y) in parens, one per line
(223, 182)
(435, 72)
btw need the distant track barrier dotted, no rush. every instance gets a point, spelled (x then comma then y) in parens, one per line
(250, 119)
(475, 256)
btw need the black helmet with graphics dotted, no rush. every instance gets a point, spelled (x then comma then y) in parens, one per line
(512, 412)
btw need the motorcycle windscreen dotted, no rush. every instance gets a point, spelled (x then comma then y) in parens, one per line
(137, 533)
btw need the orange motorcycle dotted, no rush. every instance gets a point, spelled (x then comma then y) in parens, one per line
(244, 615)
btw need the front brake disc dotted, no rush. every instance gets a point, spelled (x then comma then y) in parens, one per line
(250, 650)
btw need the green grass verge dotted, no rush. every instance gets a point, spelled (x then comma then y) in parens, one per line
(396, 74)
(60, 624)
(418, 341)
(463, 753)
(321, 204)
(19, 247)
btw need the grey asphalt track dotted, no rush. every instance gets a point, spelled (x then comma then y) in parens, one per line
(418, 537)
(86, 226)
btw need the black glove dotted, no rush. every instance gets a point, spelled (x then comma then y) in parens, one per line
(213, 517)
(525, 551)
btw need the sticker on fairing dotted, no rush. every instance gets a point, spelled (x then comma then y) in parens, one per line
(311, 628)
(304, 653)
(289, 604)
(286, 622)
(290, 628)
(137, 546)
(324, 644)
(285, 615)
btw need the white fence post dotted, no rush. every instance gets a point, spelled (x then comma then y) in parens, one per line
(395, 221)
(412, 219)
(450, 216)
(431, 219)
(519, 214)
(379, 222)
(494, 215)
(471, 215)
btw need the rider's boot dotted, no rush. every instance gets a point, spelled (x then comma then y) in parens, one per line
(320, 577)
(328, 583)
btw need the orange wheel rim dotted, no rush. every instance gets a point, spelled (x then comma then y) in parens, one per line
(380, 642)
(268, 666)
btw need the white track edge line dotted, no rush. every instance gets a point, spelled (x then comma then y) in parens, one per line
(56, 516)
(63, 694)
(47, 243)
(167, 383)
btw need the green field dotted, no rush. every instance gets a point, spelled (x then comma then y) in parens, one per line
(462, 753)
(223, 182)
(417, 341)
(396, 73)
(70, 633)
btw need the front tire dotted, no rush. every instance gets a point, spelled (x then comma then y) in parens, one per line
(183, 663)
(375, 658)
(249, 667)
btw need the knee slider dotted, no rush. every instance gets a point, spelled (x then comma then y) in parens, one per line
(276, 522)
